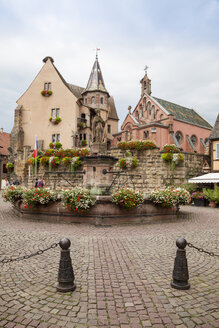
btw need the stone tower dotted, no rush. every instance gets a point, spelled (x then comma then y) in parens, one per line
(145, 84)
(95, 94)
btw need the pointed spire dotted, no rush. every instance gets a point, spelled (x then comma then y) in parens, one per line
(96, 82)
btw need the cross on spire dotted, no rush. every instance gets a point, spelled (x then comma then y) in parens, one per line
(97, 49)
(145, 69)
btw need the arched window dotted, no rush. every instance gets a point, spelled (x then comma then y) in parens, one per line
(128, 133)
(93, 100)
(179, 137)
(153, 112)
(140, 111)
(194, 140)
(146, 134)
(161, 116)
(101, 100)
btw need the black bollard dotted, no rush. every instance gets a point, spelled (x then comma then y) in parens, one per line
(66, 274)
(180, 270)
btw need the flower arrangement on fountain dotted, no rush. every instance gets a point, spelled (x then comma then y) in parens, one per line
(170, 197)
(55, 120)
(38, 196)
(78, 199)
(138, 145)
(127, 198)
(46, 93)
(12, 194)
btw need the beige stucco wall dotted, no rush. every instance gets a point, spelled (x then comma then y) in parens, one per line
(215, 162)
(37, 109)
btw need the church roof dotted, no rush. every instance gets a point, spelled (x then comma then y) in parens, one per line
(215, 131)
(183, 113)
(96, 82)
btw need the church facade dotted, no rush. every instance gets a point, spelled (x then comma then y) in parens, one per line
(56, 111)
(164, 123)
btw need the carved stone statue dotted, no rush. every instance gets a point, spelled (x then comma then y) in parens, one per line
(98, 128)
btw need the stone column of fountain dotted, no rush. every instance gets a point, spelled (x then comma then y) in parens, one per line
(93, 166)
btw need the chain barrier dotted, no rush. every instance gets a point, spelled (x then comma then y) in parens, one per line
(25, 257)
(201, 250)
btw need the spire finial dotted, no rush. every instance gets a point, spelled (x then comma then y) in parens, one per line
(145, 69)
(97, 49)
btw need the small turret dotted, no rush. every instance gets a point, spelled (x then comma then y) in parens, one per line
(95, 94)
(145, 84)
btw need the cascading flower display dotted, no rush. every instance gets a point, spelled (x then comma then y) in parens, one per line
(77, 199)
(127, 198)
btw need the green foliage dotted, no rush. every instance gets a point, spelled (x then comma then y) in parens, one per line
(128, 162)
(58, 145)
(138, 145)
(167, 157)
(44, 160)
(12, 194)
(170, 149)
(77, 199)
(212, 195)
(127, 198)
(190, 187)
(83, 143)
(169, 196)
(38, 196)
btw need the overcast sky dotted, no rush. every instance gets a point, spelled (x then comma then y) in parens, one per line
(178, 40)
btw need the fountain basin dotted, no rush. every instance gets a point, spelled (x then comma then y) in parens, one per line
(104, 212)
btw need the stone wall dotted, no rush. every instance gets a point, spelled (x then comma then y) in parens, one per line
(151, 172)
(154, 171)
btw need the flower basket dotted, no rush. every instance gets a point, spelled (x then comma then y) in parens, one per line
(138, 145)
(128, 163)
(56, 120)
(81, 125)
(127, 198)
(46, 93)
(77, 199)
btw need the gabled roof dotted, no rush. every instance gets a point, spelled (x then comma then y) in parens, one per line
(96, 82)
(183, 113)
(4, 143)
(215, 131)
(77, 92)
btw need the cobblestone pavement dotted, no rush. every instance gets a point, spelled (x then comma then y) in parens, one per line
(122, 273)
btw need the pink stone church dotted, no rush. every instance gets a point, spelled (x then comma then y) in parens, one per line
(164, 122)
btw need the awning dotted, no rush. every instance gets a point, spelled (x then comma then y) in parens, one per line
(206, 178)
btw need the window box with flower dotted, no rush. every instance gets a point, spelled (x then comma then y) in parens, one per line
(55, 120)
(46, 93)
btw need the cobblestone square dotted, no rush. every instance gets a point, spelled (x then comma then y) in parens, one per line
(122, 273)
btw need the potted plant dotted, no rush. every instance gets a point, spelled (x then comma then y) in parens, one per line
(212, 195)
(198, 198)
(83, 143)
(46, 93)
(55, 120)
(10, 167)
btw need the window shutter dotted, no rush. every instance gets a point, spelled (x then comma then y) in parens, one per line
(217, 150)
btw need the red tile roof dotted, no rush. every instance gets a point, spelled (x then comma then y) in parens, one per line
(4, 142)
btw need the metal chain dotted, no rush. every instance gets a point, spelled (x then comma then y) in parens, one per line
(201, 250)
(25, 257)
